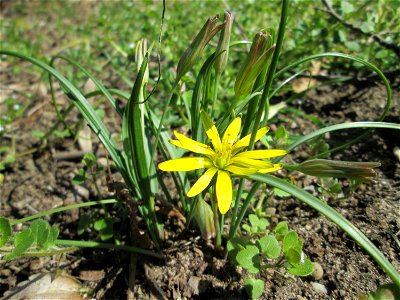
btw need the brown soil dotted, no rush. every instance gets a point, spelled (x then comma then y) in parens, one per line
(192, 270)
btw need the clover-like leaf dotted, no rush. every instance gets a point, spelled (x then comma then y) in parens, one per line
(281, 230)
(5, 231)
(79, 178)
(294, 255)
(105, 227)
(247, 228)
(89, 160)
(269, 246)
(260, 223)
(235, 244)
(248, 258)
(40, 231)
(22, 242)
(302, 269)
(84, 223)
(52, 237)
(291, 240)
(254, 287)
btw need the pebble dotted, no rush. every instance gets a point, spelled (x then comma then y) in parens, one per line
(319, 288)
(318, 272)
(270, 211)
(396, 152)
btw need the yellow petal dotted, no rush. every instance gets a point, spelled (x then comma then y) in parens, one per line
(244, 142)
(250, 163)
(262, 153)
(191, 145)
(211, 131)
(240, 170)
(232, 132)
(224, 191)
(275, 167)
(202, 182)
(185, 164)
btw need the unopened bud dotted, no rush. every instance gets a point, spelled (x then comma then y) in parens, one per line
(361, 171)
(195, 50)
(205, 219)
(223, 44)
(256, 61)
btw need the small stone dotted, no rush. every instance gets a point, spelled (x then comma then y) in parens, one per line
(270, 211)
(319, 288)
(318, 272)
(396, 152)
(81, 191)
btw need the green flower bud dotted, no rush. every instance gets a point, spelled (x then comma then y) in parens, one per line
(361, 171)
(195, 50)
(205, 219)
(256, 61)
(223, 44)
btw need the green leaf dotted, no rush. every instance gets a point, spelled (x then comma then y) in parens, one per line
(333, 215)
(52, 237)
(89, 160)
(133, 134)
(281, 230)
(302, 269)
(247, 228)
(248, 258)
(38, 133)
(105, 227)
(353, 46)
(346, 7)
(22, 242)
(84, 223)
(281, 135)
(235, 244)
(40, 231)
(291, 240)
(293, 255)
(269, 246)
(261, 224)
(85, 108)
(254, 287)
(5, 231)
(61, 134)
(79, 178)
(280, 193)
(367, 27)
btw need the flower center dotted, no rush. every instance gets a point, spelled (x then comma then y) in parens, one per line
(221, 162)
(222, 159)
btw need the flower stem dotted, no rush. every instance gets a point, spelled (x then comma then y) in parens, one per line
(264, 97)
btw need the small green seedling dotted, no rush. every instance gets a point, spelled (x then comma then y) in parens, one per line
(281, 248)
(37, 240)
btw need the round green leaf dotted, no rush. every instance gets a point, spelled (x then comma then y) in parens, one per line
(5, 231)
(269, 246)
(254, 287)
(248, 258)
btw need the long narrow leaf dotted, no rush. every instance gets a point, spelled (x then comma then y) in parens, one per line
(98, 84)
(132, 120)
(342, 126)
(84, 107)
(335, 217)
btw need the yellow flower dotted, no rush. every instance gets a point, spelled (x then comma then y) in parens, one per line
(224, 158)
